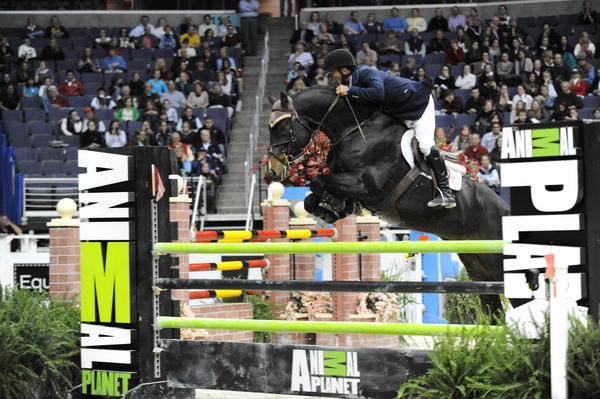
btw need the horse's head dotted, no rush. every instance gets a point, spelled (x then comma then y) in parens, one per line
(289, 134)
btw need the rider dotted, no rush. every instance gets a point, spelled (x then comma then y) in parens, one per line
(402, 98)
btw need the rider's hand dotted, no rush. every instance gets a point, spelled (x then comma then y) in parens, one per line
(341, 90)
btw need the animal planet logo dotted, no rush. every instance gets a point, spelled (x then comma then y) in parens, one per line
(325, 371)
(536, 143)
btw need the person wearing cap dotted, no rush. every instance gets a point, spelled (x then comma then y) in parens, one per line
(578, 85)
(401, 98)
(91, 116)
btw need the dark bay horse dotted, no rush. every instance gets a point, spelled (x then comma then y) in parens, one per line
(367, 173)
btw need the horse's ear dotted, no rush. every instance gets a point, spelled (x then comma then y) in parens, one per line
(272, 99)
(284, 99)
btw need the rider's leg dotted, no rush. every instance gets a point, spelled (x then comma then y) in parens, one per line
(424, 132)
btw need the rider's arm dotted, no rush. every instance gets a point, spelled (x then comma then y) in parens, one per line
(373, 87)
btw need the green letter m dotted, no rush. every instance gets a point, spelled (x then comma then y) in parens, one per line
(103, 280)
(545, 142)
(335, 363)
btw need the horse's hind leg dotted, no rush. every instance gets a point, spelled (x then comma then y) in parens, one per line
(485, 267)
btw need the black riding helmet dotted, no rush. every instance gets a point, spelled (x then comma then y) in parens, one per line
(339, 58)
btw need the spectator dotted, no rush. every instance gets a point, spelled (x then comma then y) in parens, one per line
(354, 26)
(29, 90)
(504, 66)
(139, 140)
(6, 54)
(578, 85)
(531, 85)
(596, 114)
(495, 51)
(161, 24)
(303, 34)
(586, 69)
(128, 112)
(146, 40)
(202, 74)
(344, 43)
(522, 117)
(422, 75)
(162, 134)
(187, 22)
(522, 64)
(394, 22)
(192, 37)
(56, 30)
(438, 44)
(54, 100)
(451, 105)
(211, 148)
(91, 116)
(522, 96)
(88, 63)
(392, 44)
(8, 227)
(167, 40)
(475, 150)
(457, 20)
(503, 15)
(216, 134)
(183, 83)
(72, 125)
(488, 174)
(43, 72)
(26, 53)
(487, 75)
(489, 139)
(438, 21)
(365, 51)
(483, 122)
(186, 51)
(568, 98)
(332, 26)
(474, 103)
(461, 141)
(32, 29)
(588, 16)
(218, 99)
(298, 85)
(113, 63)
(585, 46)
(102, 41)
(136, 84)
(102, 100)
(183, 152)
(473, 30)
(416, 21)
(372, 25)
(52, 52)
(454, 54)
(171, 113)
(115, 136)
(504, 100)
(224, 56)
(92, 138)
(537, 113)
(175, 97)
(207, 24)
(559, 70)
(141, 29)
(231, 38)
(415, 45)
(324, 36)
(475, 54)
(444, 81)
(314, 21)
(464, 42)
(467, 80)
(9, 98)
(189, 118)
(71, 87)
(150, 114)
(304, 58)
(23, 74)
(249, 15)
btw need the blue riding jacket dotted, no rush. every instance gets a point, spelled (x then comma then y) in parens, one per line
(401, 98)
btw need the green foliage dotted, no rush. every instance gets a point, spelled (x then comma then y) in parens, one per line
(39, 346)
(262, 309)
(463, 308)
(584, 359)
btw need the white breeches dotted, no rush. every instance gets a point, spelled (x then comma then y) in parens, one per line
(425, 128)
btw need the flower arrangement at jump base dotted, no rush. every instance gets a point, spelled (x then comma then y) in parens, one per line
(190, 333)
(308, 304)
(384, 306)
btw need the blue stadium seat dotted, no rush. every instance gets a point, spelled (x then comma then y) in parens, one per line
(105, 114)
(591, 101)
(465, 119)
(71, 152)
(133, 126)
(548, 19)
(78, 32)
(164, 53)
(19, 140)
(388, 59)
(88, 77)
(26, 154)
(586, 113)
(462, 94)
(73, 168)
(456, 70)
(29, 167)
(31, 102)
(434, 59)
(418, 59)
(141, 54)
(91, 88)
(79, 43)
(443, 120)
(79, 102)
(41, 140)
(35, 115)
(64, 66)
(71, 141)
(433, 70)
(15, 115)
(16, 128)
(41, 128)
(71, 54)
(53, 168)
(54, 115)
(51, 154)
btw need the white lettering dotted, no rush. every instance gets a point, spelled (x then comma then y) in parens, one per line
(531, 256)
(567, 146)
(89, 356)
(98, 335)
(114, 231)
(300, 374)
(513, 225)
(116, 169)
(102, 205)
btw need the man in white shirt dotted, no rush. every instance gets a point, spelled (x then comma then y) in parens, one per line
(522, 96)
(140, 29)
(364, 52)
(26, 52)
(304, 58)
(206, 25)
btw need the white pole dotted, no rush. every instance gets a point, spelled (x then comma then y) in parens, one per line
(558, 287)
(196, 199)
(250, 200)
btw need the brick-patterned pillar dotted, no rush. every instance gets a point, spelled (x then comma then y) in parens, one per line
(304, 263)
(179, 212)
(64, 253)
(370, 264)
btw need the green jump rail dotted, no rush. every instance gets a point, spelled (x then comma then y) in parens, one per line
(333, 327)
(350, 247)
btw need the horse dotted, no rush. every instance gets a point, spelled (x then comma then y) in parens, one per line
(366, 166)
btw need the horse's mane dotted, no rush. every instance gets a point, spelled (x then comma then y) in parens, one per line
(323, 96)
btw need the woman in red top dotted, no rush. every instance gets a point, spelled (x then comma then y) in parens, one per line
(578, 85)
(454, 54)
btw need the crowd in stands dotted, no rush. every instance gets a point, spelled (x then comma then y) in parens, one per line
(146, 85)
(485, 74)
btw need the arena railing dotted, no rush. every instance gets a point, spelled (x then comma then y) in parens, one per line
(40, 195)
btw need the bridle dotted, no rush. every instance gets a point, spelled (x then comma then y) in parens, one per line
(286, 158)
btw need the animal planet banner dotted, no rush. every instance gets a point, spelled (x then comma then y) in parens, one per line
(546, 166)
(292, 369)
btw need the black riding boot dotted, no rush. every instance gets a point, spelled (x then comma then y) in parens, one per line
(444, 197)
